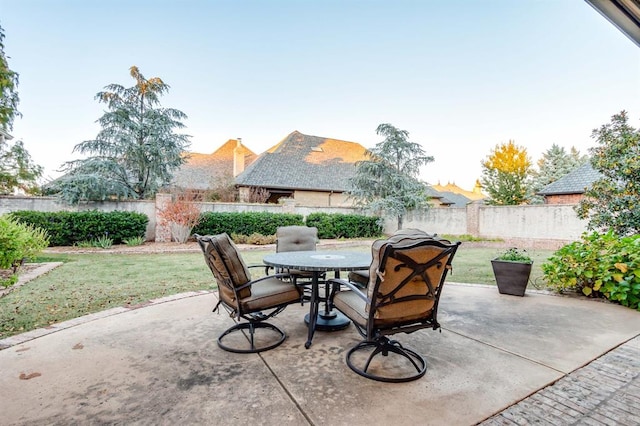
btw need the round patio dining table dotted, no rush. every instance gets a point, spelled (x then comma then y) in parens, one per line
(318, 262)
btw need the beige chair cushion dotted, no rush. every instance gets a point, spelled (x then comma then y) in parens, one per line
(361, 278)
(227, 266)
(268, 293)
(352, 306)
(296, 238)
(394, 273)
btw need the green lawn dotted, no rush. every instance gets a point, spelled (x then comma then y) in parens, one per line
(93, 282)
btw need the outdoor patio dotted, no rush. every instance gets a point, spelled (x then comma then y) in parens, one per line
(160, 364)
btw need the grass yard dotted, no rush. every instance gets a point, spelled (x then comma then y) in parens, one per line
(93, 282)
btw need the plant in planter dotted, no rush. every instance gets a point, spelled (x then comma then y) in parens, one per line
(512, 270)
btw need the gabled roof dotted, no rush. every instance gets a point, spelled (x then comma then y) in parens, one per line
(476, 194)
(575, 182)
(305, 162)
(201, 170)
(455, 200)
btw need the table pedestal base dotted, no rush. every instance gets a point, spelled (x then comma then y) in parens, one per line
(330, 321)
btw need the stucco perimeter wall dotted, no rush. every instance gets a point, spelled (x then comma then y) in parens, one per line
(549, 223)
(542, 226)
(452, 221)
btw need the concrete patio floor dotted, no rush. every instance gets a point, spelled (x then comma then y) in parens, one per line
(160, 364)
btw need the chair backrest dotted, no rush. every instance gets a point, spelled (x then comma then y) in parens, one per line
(296, 238)
(406, 278)
(414, 233)
(227, 266)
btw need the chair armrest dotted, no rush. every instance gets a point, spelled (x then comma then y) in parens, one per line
(351, 286)
(266, 268)
(257, 280)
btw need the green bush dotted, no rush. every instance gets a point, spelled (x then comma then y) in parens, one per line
(68, 228)
(337, 225)
(246, 223)
(255, 239)
(601, 265)
(18, 242)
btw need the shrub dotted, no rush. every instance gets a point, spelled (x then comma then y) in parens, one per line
(246, 223)
(18, 242)
(601, 265)
(181, 215)
(256, 239)
(338, 225)
(68, 228)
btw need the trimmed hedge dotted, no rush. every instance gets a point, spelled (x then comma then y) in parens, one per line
(337, 225)
(334, 225)
(246, 223)
(68, 228)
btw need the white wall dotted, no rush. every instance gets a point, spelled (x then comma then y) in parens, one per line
(452, 221)
(539, 221)
(545, 226)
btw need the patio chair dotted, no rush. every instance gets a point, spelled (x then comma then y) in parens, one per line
(406, 279)
(361, 278)
(297, 238)
(245, 298)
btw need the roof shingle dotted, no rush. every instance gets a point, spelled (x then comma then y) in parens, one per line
(575, 182)
(305, 162)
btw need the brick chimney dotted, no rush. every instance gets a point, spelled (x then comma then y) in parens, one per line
(238, 158)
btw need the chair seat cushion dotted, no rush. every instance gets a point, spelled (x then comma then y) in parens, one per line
(352, 306)
(269, 293)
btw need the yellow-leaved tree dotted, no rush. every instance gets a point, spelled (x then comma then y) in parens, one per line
(506, 175)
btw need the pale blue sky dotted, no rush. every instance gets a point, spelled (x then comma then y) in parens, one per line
(461, 76)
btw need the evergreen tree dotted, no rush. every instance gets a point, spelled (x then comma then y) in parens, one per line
(136, 151)
(17, 170)
(613, 201)
(387, 183)
(505, 175)
(8, 90)
(555, 163)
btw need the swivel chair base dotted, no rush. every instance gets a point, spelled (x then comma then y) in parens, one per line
(383, 346)
(252, 327)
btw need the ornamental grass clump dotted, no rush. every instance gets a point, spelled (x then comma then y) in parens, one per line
(600, 265)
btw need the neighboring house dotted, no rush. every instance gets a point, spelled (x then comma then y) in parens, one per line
(203, 172)
(311, 170)
(570, 188)
(451, 199)
(314, 171)
(452, 188)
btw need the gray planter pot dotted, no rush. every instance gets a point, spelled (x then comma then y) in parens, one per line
(511, 277)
